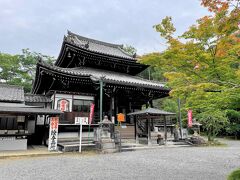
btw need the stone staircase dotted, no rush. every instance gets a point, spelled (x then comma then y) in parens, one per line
(132, 146)
(70, 145)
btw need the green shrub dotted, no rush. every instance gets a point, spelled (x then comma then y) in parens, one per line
(235, 175)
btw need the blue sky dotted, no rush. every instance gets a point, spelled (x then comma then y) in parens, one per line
(41, 25)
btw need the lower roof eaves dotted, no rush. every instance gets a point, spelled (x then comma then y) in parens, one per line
(28, 110)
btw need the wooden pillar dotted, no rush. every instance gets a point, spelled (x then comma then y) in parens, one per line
(151, 103)
(165, 130)
(149, 131)
(112, 107)
(136, 129)
(130, 106)
(54, 100)
(147, 105)
(116, 105)
(101, 99)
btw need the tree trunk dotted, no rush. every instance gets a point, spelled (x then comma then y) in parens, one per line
(210, 135)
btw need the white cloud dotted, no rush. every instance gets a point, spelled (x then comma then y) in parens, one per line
(40, 25)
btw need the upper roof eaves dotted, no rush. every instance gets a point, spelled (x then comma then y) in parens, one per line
(98, 46)
(108, 76)
(152, 111)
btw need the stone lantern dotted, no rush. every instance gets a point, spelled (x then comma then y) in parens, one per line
(106, 128)
(105, 136)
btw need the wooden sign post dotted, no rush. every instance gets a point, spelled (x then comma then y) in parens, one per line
(80, 137)
(120, 118)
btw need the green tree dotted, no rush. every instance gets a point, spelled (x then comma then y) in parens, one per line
(213, 122)
(153, 71)
(234, 122)
(235, 175)
(28, 61)
(130, 49)
(9, 67)
(202, 65)
(20, 69)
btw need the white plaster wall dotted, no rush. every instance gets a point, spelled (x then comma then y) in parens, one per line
(70, 98)
(83, 97)
(63, 96)
(12, 144)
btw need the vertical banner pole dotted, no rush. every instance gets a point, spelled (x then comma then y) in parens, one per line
(101, 99)
(180, 117)
(88, 133)
(91, 114)
(165, 129)
(80, 138)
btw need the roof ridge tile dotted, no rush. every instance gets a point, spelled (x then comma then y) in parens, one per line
(97, 46)
(94, 40)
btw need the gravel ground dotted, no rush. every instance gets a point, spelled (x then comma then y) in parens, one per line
(183, 163)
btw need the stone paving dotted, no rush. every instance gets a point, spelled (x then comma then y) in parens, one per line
(32, 151)
(182, 163)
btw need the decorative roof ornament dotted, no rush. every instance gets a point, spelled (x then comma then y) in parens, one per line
(39, 59)
(69, 55)
(134, 55)
(86, 45)
(97, 46)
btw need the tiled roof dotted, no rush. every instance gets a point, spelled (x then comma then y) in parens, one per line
(152, 111)
(11, 93)
(15, 104)
(98, 46)
(36, 98)
(29, 110)
(108, 76)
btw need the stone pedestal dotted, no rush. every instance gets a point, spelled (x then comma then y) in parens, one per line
(105, 137)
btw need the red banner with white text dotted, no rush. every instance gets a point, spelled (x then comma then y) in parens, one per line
(53, 134)
(91, 113)
(189, 118)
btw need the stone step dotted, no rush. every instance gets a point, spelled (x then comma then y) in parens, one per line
(125, 149)
(75, 147)
(69, 145)
(74, 138)
(177, 143)
(107, 140)
(106, 151)
(108, 146)
(74, 142)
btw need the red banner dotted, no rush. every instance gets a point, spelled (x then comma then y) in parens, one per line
(189, 118)
(63, 105)
(91, 113)
(53, 134)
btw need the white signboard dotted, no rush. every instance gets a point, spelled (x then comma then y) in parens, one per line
(53, 134)
(77, 120)
(84, 120)
(40, 119)
(20, 118)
